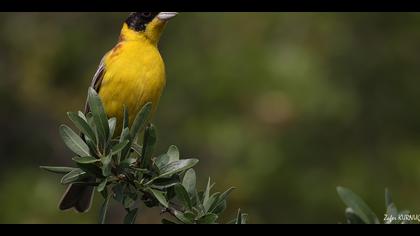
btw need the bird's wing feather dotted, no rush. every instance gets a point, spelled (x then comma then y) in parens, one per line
(97, 80)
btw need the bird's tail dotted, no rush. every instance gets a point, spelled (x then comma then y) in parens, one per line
(77, 196)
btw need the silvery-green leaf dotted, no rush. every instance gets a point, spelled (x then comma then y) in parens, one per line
(119, 189)
(207, 219)
(173, 153)
(106, 165)
(99, 116)
(239, 217)
(112, 123)
(85, 160)
(82, 115)
(162, 160)
(125, 119)
(162, 184)
(207, 194)
(244, 218)
(130, 218)
(167, 222)
(91, 169)
(140, 120)
(73, 141)
(102, 185)
(360, 208)
(125, 135)
(352, 218)
(129, 200)
(220, 207)
(159, 195)
(176, 167)
(211, 203)
(137, 148)
(72, 176)
(104, 210)
(183, 196)
(82, 125)
(184, 218)
(189, 182)
(391, 209)
(149, 144)
(58, 169)
(119, 147)
(225, 194)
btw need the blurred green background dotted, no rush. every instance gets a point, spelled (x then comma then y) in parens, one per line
(283, 106)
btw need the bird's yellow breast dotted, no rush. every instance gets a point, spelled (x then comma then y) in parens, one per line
(134, 75)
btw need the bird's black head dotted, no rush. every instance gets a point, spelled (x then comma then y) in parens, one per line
(138, 21)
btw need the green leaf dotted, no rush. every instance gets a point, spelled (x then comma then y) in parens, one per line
(148, 146)
(189, 182)
(104, 210)
(72, 176)
(92, 147)
(128, 162)
(165, 183)
(352, 218)
(207, 219)
(207, 194)
(86, 182)
(162, 160)
(119, 189)
(99, 116)
(119, 147)
(125, 118)
(159, 195)
(220, 207)
(91, 169)
(112, 123)
(167, 222)
(391, 209)
(140, 120)
(58, 169)
(106, 165)
(82, 115)
(173, 153)
(388, 198)
(125, 135)
(244, 218)
(183, 196)
(360, 208)
(85, 160)
(184, 218)
(130, 218)
(198, 200)
(211, 203)
(89, 118)
(225, 194)
(129, 200)
(73, 141)
(177, 166)
(239, 217)
(82, 125)
(137, 148)
(102, 185)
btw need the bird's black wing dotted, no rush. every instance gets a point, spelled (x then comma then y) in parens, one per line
(97, 81)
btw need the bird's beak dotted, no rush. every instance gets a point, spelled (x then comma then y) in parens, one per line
(165, 16)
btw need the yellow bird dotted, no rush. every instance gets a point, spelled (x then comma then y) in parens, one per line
(131, 74)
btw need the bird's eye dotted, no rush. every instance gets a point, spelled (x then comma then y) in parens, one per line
(146, 14)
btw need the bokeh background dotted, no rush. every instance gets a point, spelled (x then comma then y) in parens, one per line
(283, 106)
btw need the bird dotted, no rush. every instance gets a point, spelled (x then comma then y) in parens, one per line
(131, 74)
